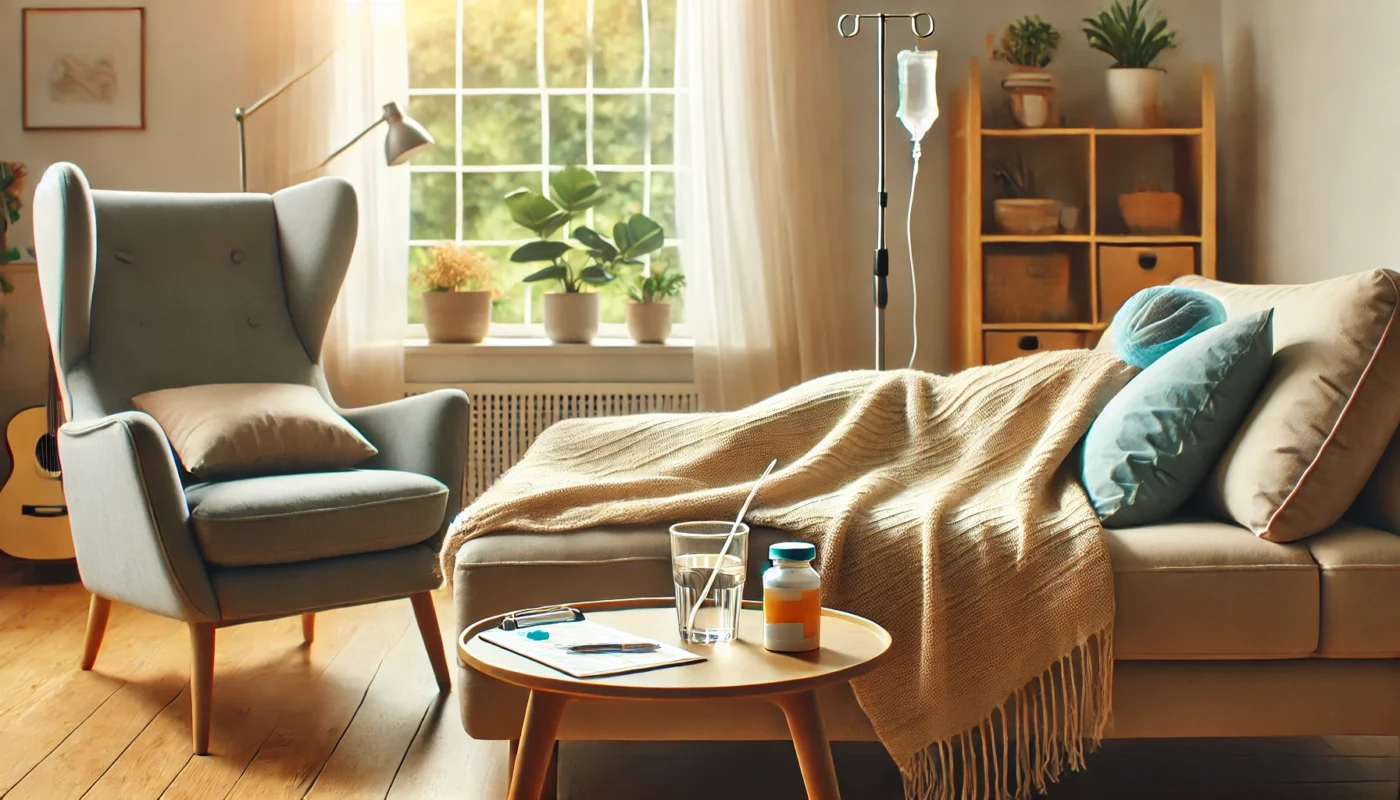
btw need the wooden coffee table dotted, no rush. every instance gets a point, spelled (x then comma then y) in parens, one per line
(851, 646)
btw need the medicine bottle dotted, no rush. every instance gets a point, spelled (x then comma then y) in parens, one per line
(792, 599)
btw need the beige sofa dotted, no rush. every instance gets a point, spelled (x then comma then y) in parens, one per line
(1219, 632)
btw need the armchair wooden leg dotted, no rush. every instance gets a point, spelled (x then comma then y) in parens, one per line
(432, 637)
(308, 627)
(201, 683)
(99, 609)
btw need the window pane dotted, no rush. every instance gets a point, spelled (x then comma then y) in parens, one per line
(432, 57)
(624, 199)
(661, 19)
(484, 212)
(501, 129)
(617, 37)
(566, 43)
(612, 297)
(619, 129)
(434, 206)
(670, 257)
(498, 44)
(663, 127)
(435, 113)
(417, 257)
(568, 131)
(663, 201)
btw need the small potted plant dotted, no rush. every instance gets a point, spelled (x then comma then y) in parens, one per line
(1023, 211)
(1029, 46)
(571, 315)
(458, 286)
(1149, 210)
(648, 315)
(1136, 89)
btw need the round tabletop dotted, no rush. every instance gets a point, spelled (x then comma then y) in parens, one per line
(851, 646)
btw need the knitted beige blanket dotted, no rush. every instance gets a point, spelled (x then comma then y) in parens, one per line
(940, 509)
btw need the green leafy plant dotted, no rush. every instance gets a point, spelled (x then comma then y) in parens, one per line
(656, 287)
(1030, 42)
(1132, 37)
(573, 191)
(1015, 178)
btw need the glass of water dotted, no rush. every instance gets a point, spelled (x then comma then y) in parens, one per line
(695, 556)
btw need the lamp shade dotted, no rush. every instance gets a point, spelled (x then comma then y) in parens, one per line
(405, 139)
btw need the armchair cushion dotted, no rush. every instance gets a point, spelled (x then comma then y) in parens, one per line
(283, 519)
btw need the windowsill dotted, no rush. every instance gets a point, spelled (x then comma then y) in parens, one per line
(533, 360)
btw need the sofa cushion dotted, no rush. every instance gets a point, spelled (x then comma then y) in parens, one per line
(1360, 570)
(282, 519)
(1204, 589)
(1326, 413)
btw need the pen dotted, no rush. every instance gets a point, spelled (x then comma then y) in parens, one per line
(616, 647)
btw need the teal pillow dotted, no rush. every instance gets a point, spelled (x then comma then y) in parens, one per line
(1159, 437)
(1159, 319)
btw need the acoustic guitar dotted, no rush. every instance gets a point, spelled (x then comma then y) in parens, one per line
(33, 512)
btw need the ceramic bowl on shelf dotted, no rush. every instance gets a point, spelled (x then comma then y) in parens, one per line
(1027, 216)
(1151, 212)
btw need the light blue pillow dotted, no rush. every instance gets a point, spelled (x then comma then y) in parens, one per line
(1158, 438)
(1159, 319)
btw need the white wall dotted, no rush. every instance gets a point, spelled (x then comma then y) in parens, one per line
(962, 28)
(1311, 139)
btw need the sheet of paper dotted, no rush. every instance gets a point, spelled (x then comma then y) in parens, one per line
(553, 651)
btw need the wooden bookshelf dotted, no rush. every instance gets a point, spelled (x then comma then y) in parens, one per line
(1094, 164)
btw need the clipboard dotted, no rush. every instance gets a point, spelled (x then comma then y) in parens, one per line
(566, 627)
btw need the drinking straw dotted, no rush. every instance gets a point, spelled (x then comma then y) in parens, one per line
(709, 584)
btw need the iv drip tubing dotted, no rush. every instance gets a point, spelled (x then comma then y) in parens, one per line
(909, 242)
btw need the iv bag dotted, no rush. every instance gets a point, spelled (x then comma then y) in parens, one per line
(918, 96)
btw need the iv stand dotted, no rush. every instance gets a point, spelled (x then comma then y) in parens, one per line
(882, 255)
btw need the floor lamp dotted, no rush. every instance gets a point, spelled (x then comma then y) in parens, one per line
(404, 139)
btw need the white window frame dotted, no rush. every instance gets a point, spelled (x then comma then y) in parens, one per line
(533, 328)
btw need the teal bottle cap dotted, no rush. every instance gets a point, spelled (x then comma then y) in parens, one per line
(792, 551)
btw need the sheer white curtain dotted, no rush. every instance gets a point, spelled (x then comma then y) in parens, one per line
(760, 200)
(359, 53)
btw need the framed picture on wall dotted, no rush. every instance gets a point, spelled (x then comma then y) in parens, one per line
(84, 68)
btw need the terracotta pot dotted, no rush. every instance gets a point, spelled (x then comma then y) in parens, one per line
(1031, 94)
(1027, 216)
(571, 317)
(1138, 97)
(457, 316)
(1151, 212)
(649, 323)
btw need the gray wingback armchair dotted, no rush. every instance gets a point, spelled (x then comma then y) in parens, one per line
(146, 291)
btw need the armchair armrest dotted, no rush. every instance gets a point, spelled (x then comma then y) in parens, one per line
(426, 434)
(129, 518)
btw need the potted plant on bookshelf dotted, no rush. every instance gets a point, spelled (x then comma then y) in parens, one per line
(1149, 210)
(1022, 211)
(1029, 46)
(649, 315)
(571, 315)
(1136, 89)
(458, 284)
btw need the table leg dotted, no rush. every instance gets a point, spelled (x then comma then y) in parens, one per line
(809, 738)
(536, 750)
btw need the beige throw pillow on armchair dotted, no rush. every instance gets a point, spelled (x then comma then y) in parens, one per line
(226, 430)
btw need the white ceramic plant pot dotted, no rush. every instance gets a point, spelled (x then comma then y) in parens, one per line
(649, 323)
(571, 317)
(1031, 95)
(457, 316)
(1138, 97)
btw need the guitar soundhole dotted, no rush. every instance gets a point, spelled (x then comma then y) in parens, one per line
(46, 454)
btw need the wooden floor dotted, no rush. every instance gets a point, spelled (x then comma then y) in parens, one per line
(357, 715)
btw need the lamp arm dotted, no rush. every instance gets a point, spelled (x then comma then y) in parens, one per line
(241, 114)
(362, 134)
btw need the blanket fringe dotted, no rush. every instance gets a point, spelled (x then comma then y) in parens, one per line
(1053, 721)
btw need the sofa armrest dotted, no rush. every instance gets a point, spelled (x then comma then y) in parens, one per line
(426, 434)
(129, 518)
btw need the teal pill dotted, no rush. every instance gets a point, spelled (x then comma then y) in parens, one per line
(538, 636)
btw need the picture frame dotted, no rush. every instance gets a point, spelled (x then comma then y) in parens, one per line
(83, 68)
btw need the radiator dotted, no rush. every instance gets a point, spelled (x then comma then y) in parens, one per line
(506, 418)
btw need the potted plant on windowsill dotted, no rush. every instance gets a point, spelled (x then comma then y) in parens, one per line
(571, 315)
(648, 315)
(459, 284)
(1136, 89)
(1029, 46)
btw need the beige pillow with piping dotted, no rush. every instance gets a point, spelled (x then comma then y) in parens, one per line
(1325, 414)
(226, 430)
